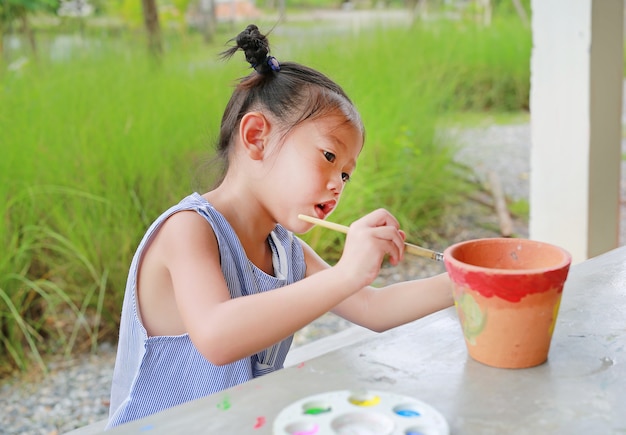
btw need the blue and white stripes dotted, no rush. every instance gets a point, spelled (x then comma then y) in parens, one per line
(155, 373)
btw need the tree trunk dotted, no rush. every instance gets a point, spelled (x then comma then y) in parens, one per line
(484, 12)
(282, 11)
(151, 21)
(233, 14)
(521, 12)
(207, 12)
(420, 11)
(1, 41)
(28, 32)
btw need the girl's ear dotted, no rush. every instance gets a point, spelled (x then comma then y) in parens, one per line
(254, 130)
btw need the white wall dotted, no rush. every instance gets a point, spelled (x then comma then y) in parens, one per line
(576, 101)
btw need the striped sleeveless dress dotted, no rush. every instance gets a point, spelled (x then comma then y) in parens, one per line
(155, 373)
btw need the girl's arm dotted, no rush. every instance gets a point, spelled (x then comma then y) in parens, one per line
(224, 329)
(380, 309)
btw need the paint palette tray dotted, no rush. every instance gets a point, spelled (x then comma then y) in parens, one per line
(369, 412)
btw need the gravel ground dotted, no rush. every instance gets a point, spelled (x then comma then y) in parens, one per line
(76, 392)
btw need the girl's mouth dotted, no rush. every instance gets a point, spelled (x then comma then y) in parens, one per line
(325, 208)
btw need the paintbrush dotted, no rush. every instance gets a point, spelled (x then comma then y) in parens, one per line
(409, 247)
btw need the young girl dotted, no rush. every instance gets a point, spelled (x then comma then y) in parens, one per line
(219, 284)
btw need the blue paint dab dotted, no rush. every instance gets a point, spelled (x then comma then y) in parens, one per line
(407, 413)
(146, 428)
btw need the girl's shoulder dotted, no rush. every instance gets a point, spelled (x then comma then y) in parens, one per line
(196, 211)
(184, 225)
(185, 234)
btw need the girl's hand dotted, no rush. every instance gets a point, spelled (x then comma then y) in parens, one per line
(369, 240)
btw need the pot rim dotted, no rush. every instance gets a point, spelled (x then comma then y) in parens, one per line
(448, 256)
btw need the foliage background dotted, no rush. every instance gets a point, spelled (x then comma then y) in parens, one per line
(96, 143)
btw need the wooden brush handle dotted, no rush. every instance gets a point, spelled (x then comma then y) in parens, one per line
(410, 248)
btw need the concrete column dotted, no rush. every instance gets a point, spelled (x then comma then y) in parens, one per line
(576, 106)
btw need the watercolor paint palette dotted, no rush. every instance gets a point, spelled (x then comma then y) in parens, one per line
(369, 412)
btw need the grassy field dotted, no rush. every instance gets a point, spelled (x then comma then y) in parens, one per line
(98, 144)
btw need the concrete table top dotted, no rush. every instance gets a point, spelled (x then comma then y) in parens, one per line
(581, 389)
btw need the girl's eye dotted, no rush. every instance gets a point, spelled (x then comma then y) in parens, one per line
(345, 177)
(329, 156)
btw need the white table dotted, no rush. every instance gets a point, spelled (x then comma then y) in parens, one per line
(581, 389)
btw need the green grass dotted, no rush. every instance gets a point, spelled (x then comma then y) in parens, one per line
(97, 146)
(520, 208)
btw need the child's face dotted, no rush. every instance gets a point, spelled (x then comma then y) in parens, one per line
(309, 171)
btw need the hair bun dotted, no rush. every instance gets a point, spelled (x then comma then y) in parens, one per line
(255, 47)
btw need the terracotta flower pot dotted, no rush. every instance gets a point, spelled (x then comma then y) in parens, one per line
(507, 294)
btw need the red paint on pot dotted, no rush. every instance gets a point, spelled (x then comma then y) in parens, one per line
(511, 287)
(507, 268)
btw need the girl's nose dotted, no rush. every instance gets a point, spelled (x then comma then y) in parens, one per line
(335, 183)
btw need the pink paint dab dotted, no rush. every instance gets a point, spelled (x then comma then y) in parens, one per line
(311, 431)
(260, 421)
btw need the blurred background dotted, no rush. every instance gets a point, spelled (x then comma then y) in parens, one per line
(109, 111)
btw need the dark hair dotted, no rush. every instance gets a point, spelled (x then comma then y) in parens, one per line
(291, 92)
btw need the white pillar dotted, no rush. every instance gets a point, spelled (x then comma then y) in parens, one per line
(576, 106)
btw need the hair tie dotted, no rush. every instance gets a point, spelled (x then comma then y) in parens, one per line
(272, 62)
